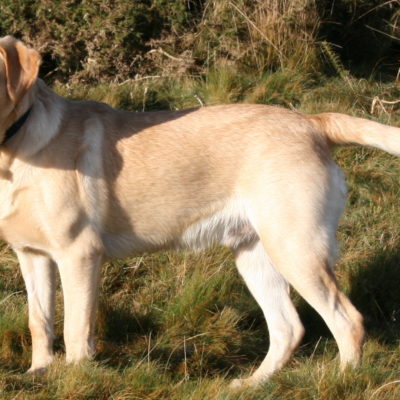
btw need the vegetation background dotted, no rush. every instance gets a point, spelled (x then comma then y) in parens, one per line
(178, 325)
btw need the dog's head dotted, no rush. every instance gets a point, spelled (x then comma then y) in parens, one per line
(19, 66)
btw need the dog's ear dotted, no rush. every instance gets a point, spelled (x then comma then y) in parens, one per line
(21, 66)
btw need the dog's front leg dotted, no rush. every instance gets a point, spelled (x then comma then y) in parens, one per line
(39, 276)
(79, 268)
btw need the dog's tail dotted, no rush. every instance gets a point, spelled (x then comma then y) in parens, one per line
(344, 129)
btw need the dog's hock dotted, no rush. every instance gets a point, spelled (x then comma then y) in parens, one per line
(21, 65)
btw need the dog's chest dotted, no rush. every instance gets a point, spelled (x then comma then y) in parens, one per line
(17, 217)
(10, 195)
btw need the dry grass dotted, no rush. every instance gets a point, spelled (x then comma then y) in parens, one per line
(180, 326)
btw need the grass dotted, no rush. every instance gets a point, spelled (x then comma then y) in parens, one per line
(180, 325)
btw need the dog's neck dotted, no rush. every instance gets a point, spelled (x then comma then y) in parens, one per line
(42, 120)
(16, 126)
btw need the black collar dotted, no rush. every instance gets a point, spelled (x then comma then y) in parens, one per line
(16, 126)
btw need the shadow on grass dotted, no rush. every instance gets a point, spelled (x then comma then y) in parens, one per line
(374, 290)
(126, 338)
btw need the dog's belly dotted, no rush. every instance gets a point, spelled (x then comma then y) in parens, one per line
(228, 226)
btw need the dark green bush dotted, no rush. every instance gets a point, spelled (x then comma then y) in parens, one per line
(92, 40)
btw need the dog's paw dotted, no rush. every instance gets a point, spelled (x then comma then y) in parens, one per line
(242, 383)
(36, 370)
(236, 384)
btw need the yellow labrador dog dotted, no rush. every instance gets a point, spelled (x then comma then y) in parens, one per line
(82, 182)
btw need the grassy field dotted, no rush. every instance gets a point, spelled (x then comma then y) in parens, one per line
(181, 326)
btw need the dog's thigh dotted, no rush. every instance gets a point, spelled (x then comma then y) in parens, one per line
(38, 272)
(271, 291)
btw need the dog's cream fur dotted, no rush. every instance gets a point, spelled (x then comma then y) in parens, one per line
(82, 182)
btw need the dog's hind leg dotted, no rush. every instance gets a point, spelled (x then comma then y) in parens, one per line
(297, 228)
(271, 291)
(38, 272)
(308, 270)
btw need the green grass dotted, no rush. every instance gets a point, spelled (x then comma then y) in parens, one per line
(180, 325)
